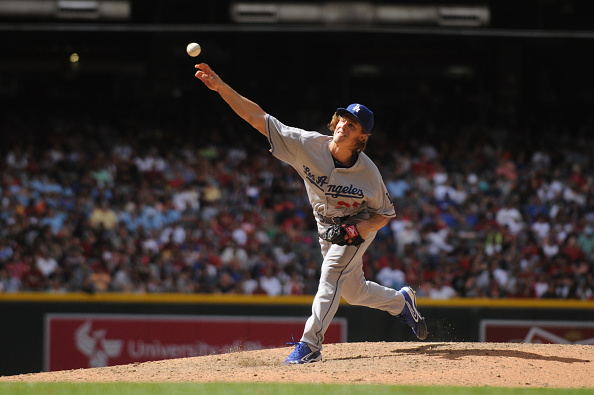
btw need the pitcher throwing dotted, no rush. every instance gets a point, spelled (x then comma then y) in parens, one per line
(350, 204)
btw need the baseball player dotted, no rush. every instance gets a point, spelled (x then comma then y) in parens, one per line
(350, 204)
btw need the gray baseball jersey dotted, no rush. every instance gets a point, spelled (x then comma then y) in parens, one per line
(333, 192)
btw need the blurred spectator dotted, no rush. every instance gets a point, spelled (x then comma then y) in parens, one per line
(226, 283)
(46, 263)
(103, 216)
(510, 216)
(441, 290)
(6, 251)
(122, 279)
(16, 270)
(437, 243)
(549, 246)
(33, 278)
(541, 227)
(234, 252)
(99, 279)
(294, 283)
(572, 250)
(391, 275)
(586, 242)
(269, 283)
(405, 236)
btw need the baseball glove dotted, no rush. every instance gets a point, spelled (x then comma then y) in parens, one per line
(342, 235)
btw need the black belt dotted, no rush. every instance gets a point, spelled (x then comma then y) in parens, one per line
(333, 220)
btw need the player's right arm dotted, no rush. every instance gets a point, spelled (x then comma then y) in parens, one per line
(251, 112)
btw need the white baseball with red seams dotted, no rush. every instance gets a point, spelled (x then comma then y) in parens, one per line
(193, 49)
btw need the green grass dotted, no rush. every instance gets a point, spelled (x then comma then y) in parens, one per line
(264, 389)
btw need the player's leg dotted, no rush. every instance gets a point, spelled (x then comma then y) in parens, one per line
(360, 292)
(402, 304)
(339, 262)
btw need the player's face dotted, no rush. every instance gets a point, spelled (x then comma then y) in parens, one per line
(348, 131)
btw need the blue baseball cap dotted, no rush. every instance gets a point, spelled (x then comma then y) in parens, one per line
(362, 113)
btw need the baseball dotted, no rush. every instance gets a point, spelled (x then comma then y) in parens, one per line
(193, 49)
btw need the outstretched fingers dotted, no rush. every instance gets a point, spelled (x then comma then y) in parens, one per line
(203, 70)
(206, 75)
(203, 66)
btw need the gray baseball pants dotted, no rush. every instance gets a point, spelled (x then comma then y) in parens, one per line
(342, 275)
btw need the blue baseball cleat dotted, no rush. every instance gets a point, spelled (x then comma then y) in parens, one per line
(410, 314)
(303, 354)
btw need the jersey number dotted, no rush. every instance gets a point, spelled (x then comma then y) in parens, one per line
(342, 204)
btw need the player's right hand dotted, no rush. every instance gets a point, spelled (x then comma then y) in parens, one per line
(208, 76)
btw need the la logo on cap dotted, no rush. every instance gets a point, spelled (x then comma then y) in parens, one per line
(362, 113)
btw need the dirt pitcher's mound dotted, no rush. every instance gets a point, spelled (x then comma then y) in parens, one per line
(457, 364)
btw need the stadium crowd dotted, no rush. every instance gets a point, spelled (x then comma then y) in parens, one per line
(98, 206)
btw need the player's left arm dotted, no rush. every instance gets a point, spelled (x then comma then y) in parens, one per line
(382, 212)
(372, 224)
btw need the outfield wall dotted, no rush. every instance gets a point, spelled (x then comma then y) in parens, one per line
(68, 331)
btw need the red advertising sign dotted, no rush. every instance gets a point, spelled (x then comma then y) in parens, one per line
(75, 341)
(519, 331)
